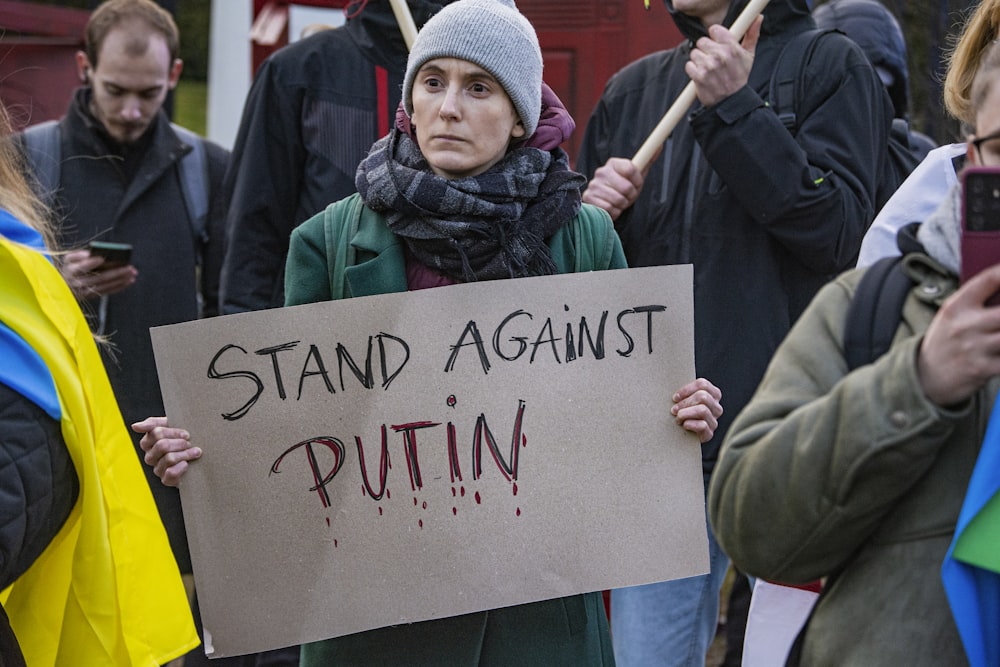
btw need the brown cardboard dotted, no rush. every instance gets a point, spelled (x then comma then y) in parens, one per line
(606, 490)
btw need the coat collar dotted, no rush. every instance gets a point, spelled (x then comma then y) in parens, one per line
(161, 147)
(381, 265)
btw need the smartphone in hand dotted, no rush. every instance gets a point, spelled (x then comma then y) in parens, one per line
(980, 222)
(114, 254)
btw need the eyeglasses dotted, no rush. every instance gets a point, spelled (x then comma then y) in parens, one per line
(979, 141)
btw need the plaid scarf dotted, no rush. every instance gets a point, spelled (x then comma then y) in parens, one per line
(483, 227)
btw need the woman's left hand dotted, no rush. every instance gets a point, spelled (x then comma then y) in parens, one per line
(697, 408)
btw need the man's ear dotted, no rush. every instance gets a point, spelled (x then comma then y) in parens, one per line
(175, 73)
(518, 130)
(83, 67)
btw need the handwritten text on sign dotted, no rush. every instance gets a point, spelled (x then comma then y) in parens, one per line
(413, 456)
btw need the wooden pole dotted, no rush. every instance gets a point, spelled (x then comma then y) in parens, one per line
(405, 21)
(687, 97)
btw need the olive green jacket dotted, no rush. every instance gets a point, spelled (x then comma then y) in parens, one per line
(855, 477)
(571, 631)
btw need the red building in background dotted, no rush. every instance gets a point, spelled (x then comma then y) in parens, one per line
(583, 42)
(37, 66)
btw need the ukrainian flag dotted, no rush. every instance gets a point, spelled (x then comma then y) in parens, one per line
(106, 591)
(971, 570)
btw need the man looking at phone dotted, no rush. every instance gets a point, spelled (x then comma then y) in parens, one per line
(120, 176)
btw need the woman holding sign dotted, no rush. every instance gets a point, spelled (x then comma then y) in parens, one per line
(471, 185)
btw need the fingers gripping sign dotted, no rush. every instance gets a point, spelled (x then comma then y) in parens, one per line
(697, 408)
(168, 450)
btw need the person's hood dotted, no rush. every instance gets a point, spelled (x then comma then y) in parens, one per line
(373, 27)
(872, 27)
(778, 14)
(941, 233)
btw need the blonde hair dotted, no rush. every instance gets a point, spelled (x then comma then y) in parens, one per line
(16, 194)
(985, 80)
(979, 32)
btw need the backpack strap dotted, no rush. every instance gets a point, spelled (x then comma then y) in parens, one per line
(592, 248)
(44, 154)
(874, 313)
(341, 222)
(195, 182)
(787, 83)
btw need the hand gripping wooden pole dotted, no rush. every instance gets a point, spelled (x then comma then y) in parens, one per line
(687, 97)
(405, 21)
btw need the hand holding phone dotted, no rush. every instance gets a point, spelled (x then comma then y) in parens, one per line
(114, 254)
(980, 222)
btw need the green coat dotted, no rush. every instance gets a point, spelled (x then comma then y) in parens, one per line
(571, 631)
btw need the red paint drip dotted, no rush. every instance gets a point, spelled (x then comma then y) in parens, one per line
(463, 491)
(453, 492)
(327, 522)
(414, 501)
(454, 511)
(421, 523)
(335, 544)
(519, 511)
(424, 505)
(388, 493)
(515, 488)
(380, 511)
(478, 499)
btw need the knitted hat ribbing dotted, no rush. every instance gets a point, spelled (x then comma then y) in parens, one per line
(493, 35)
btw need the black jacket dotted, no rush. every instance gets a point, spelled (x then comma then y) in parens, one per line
(38, 483)
(143, 205)
(313, 112)
(764, 216)
(38, 488)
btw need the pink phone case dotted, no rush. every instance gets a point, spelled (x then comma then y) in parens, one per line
(980, 209)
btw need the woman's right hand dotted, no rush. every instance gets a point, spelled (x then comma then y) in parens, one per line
(168, 450)
(960, 350)
(82, 272)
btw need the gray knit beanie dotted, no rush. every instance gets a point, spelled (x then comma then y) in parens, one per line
(493, 35)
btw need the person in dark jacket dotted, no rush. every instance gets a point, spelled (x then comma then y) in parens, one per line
(313, 111)
(121, 179)
(766, 217)
(872, 26)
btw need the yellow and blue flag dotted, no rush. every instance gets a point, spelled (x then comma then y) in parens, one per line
(106, 590)
(971, 570)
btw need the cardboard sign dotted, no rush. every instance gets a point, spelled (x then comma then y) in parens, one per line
(406, 457)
